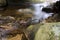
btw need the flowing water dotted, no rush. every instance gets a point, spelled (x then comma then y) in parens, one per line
(38, 13)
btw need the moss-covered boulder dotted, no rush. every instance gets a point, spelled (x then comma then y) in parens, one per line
(47, 31)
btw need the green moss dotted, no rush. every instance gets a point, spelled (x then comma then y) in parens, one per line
(43, 32)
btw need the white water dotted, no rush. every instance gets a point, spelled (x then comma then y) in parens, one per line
(38, 14)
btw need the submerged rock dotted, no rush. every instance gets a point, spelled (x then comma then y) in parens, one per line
(10, 25)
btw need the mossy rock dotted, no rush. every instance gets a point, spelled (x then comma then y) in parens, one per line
(47, 31)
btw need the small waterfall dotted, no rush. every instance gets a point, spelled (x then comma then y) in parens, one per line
(38, 13)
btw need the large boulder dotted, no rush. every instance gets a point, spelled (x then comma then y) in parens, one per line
(46, 31)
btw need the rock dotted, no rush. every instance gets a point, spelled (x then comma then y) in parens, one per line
(46, 31)
(11, 26)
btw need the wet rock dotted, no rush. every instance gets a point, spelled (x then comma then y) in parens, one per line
(10, 25)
